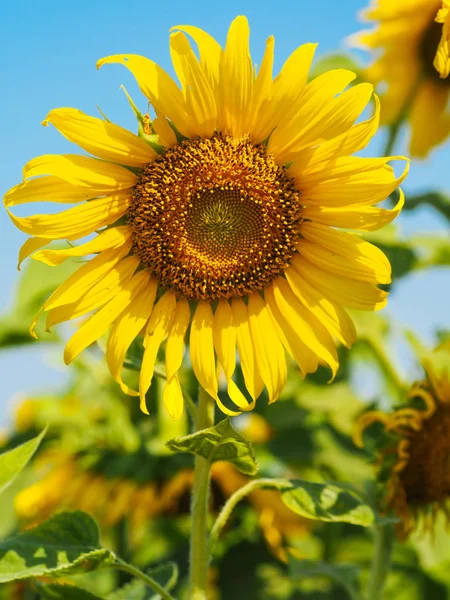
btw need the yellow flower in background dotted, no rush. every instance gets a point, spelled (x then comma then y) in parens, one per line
(411, 41)
(414, 460)
(226, 227)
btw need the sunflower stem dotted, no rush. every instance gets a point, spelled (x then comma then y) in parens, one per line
(381, 562)
(199, 551)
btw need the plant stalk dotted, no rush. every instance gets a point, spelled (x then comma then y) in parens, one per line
(381, 562)
(240, 494)
(123, 566)
(199, 551)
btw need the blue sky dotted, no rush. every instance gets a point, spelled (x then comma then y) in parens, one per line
(49, 51)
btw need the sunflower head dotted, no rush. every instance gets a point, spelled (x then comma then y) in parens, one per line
(411, 42)
(219, 223)
(414, 450)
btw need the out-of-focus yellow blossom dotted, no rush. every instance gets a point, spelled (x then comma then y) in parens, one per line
(411, 45)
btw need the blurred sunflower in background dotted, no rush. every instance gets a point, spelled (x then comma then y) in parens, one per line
(411, 44)
(414, 449)
(219, 220)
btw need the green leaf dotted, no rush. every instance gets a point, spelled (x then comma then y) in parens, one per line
(14, 461)
(343, 575)
(336, 60)
(55, 591)
(438, 200)
(166, 575)
(65, 544)
(327, 502)
(221, 442)
(36, 284)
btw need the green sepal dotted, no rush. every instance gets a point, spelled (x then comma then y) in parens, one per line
(15, 460)
(66, 544)
(152, 139)
(221, 442)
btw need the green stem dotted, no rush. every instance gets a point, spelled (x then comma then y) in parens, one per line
(377, 346)
(245, 490)
(381, 562)
(199, 554)
(123, 566)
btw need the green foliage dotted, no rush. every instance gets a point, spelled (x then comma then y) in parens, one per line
(67, 543)
(14, 461)
(165, 575)
(221, 442)
(438, 200)
(36, 285)
(336, 60)
(55, 591)
(326, 502)
(344, 575)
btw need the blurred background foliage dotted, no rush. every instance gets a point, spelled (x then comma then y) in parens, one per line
(103, 456)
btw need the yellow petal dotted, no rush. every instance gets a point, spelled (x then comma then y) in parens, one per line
(252, 376)
(29, 247)
(338, 168)
(156, 330)
(305, 358)
(200, 101)
(236, 78)
(262, 86)
(224, 337)
(360, 189)
(101, 138)
(209, 51)
(347, 292)
(126, 329)
(158, 87)
(364, 218)
(330, 314)
(429, 128)
(442, 58)
(165, 132)
(173, 397)
(284, 93)
(349, 142)
(336, 118)
(47, 189)
(100, 322)
(110, 238)
(80, 282)
(202, 348)
(78, 221)
(308, 328)
(269, 352)
(175, 338)
(82, 171)
(314, 100)
(343, 254)
(101, 293)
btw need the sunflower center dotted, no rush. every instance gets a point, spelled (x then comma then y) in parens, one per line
(215, 218)
(428, 48)
(426, 477)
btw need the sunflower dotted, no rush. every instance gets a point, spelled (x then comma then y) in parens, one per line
(414, 65)
(220, 224)
(413, 457)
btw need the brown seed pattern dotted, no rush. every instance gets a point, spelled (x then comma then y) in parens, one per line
(215, 218)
